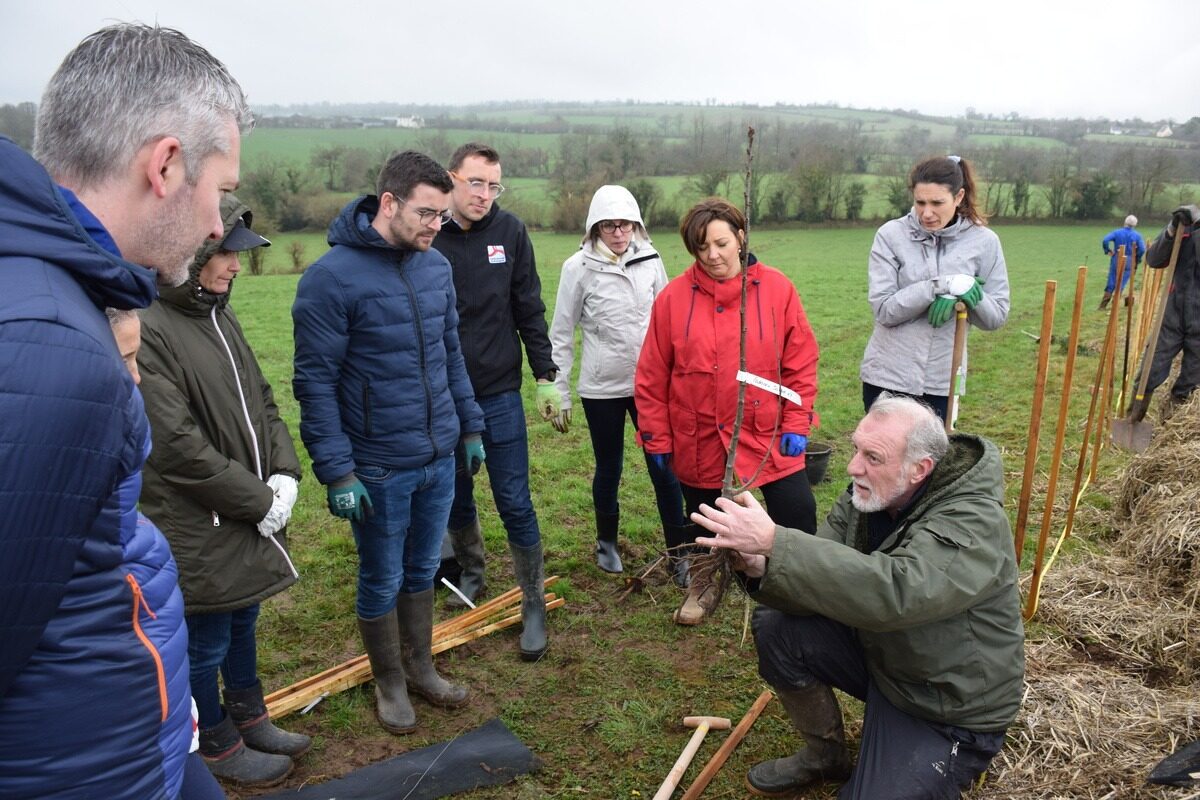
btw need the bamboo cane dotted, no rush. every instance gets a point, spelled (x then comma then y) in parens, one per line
(1035, 415)
(956, 358)
(1060, 432)
(723, 752)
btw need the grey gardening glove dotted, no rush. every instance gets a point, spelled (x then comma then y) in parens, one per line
(1186, 215)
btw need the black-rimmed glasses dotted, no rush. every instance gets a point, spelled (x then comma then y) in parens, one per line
(611, 225)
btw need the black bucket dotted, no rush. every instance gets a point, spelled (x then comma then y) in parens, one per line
(816, 461)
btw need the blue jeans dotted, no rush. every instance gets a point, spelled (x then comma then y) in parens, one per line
(606, 426)
(223, 641)
(400, 542)
(506, 446)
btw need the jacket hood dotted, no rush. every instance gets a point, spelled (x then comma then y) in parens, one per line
(615, 202)
(967, 462)
(918, 233)
(352, 227)
(35, 221)
(190, 295)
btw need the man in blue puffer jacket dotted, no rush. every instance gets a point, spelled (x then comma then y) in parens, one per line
(384, 401)
(137, 135)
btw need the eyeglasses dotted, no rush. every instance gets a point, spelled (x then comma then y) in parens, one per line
(478, 185)
(611, 225)
(428, 215)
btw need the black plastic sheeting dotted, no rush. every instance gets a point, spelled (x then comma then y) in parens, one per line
(1181, 768)
(487, 756)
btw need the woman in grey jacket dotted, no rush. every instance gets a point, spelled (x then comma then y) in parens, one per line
(920, 266)
(607, 289)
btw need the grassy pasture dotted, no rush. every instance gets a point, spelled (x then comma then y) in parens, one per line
(603, 708)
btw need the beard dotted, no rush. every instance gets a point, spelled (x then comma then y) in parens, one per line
(879, 497)
(171, 239)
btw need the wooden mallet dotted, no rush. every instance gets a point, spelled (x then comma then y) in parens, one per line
(702, 725)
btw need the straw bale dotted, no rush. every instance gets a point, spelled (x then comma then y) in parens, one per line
(1085, 731)
(1114, 616)
(1158, 507)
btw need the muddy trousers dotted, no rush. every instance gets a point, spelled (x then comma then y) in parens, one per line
(900, 756)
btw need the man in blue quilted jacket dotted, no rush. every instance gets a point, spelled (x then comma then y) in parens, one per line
(138, 134)
(384, 401)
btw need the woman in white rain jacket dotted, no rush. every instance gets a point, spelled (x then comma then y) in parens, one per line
(607, 290)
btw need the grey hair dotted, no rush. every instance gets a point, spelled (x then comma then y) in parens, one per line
(927, 435)
(128, 85)
(116, 316)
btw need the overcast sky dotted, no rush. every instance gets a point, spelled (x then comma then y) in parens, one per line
(1048, 58)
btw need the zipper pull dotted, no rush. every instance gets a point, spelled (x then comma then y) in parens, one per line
(216, 520)
(139, 599)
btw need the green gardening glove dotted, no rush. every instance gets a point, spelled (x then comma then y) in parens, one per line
(473, 454)
(348, 499)
(964, 287)
(941, 310)
(548, 401)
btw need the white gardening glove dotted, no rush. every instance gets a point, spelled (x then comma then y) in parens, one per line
(957, 285)
(286, 490)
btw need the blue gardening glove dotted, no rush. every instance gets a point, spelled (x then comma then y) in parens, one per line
(793, 444)
(348, 499)
(549, 403)
(473, 452)
(941, 310)
(660, 460)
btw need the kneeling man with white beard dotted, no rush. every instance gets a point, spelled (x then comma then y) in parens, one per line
(905, 598)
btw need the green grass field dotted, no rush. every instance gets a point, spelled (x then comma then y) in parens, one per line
(603, 708)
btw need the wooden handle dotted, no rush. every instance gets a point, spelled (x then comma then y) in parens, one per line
(722, 755)
(681, 764)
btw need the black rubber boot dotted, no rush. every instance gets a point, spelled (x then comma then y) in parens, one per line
(381, 637)
(678, 555)
(531, 577)
(229, 759)
(608, 558)
(816, 715)
(469, 553)
(249, 713)
(414, 616)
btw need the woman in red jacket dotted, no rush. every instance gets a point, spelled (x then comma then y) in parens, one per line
(686, 386)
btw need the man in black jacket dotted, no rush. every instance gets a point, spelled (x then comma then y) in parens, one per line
(1181, 317)
(499, 308)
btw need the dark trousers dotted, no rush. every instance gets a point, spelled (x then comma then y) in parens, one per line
(937, 402)
(789, 501)
(900, 756)
(1174, 337)
(606, 426)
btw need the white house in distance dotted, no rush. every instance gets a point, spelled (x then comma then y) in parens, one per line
(406, 122)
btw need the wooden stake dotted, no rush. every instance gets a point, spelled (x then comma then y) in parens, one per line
(726, 749)
(1060, 432)
(1152, 336)
(1123, 400)
(1108, 358)
(451, 633)
(1035, 416)
(956, 358)
(1097, 395)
